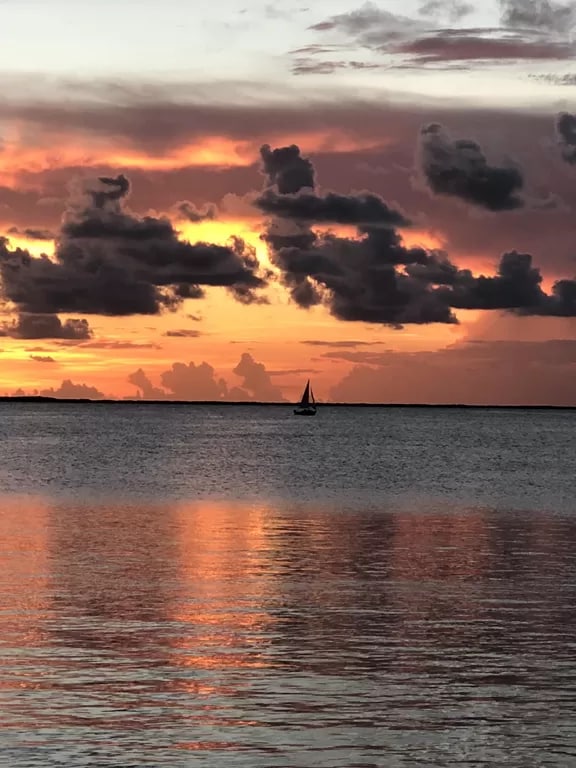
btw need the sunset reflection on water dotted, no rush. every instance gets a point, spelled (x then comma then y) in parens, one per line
(283, 635)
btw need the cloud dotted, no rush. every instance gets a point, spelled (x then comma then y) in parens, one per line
(31, 326)
(184, 333)
(114, 344)
(360, 208)
(188, 211)
(42, 358)
(459, 168)
(566, 131)
(193, 382)
(375, 278)
(286, 169)
(528, 30)
(541, 15)
(68, 389)
(339, 344)
(453, 10)
(256, 380)
(32, 233)
(109, 261)
(478, 373)
(146, 389)
(199, 382)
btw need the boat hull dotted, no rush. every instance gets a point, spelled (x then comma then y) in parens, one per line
(304, 411)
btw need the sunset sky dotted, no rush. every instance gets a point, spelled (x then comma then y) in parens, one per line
(220, 201)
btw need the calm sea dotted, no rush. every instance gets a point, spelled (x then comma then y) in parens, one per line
(234, 586)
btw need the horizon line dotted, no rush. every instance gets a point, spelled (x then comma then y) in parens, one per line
(276, 404)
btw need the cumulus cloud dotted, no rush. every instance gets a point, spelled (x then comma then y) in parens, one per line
(566, 131)
(286, 169)
(459, 168)
(360, 208)
(146, 389)
(110, 261)
(32, 326)
(70, 390)
(256, 380)
(375, 278)
(199, 382)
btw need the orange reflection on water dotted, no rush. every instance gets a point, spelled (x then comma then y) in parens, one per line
(226, 583)
(24, 570)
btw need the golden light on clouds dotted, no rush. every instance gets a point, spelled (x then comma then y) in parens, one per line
(88, 150)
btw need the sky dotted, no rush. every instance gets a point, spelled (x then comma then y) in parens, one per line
(222, 202)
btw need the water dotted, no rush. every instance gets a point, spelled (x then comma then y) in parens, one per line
(236, 587)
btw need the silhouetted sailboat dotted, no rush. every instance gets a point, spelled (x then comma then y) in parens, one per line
(307, 405)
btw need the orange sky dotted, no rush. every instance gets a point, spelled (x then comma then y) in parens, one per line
(221, 330)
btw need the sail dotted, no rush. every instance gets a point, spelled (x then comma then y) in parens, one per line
(306, 395)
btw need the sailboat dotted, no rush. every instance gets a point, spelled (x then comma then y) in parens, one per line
(307, 405)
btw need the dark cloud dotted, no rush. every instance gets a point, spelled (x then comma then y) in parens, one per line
(32, 233)
(459, 168)
(454, 45)
(375, 278)
(31, 326)
(540, 15)
(190, 212)
(42, 358)
(110, 261)
(360, 208)
(566, 131)
(68, 389)
(529, 30)
(185, 333)
(286, 169)
(453, 10)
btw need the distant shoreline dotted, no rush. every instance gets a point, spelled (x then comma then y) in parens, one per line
(225, 403)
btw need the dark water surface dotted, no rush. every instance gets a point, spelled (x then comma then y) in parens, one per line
(237, 587)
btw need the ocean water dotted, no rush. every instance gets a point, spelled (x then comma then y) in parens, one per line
(234, 586)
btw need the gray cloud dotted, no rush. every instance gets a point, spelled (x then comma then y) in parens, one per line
(109, 261)
(376, 278)
(459, 168)
(529, 30)
(190, 212)
(256, 381)
(70, 390)
(566, 131)
(42, 358)
(32, 326)
(184, 333)
(360, 208)
(32, 233)
(286, 169)
(540, 15)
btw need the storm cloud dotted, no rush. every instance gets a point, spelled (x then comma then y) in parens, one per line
(375, 277)
(110, 261)
(31, 326)
(459, 168)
